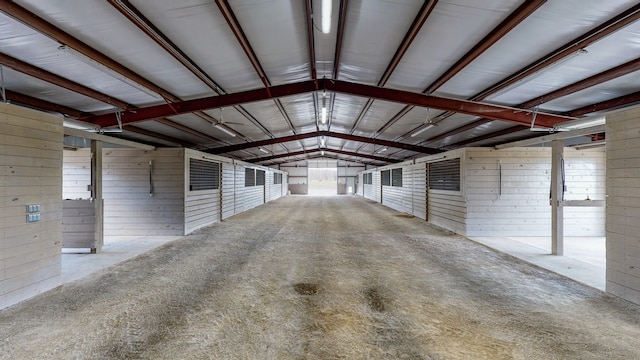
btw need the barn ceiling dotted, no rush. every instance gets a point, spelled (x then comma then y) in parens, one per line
(249, 79)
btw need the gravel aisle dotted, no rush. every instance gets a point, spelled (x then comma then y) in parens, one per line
(322, 278)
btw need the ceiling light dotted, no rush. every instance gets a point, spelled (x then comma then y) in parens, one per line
(322, 153)
(263, 150)
(107, 70)
(326, 16)
(581, 123)
(225, 129)
(425, 128)
(382, 150)
(323, 142)
(323, 115)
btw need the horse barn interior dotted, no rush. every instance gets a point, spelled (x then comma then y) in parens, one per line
(478, 196)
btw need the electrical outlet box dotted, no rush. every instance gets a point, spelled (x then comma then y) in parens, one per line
(31, 218)
(33, 208)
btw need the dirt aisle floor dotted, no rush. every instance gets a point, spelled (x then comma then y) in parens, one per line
(322, 278)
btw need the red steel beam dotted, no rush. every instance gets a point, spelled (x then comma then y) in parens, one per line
(618, 22)
(513, 20)
(342, 19)
(146, 26)
(52, 78)
(327, 150)
(616, 72)
(418, 22)
(212, 102)
(35, 22)
(298, 137)
(29, 101)
(310, 39)
(496, 112)
(228, 14)
(621, 101)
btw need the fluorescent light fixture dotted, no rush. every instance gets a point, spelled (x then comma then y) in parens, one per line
(420, 131)
(225, 130)
(80, 125)
(326, 16)
(322, 153)
(323, 142)
(323, 115)
(580, 123)
(382, 150)
(114, 74)
(591, 145)
(263, 150)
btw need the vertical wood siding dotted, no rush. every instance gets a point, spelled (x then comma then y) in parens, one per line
(129, 207)
(396, 197)
(623, 204)
(419, 182)
(30, 173)
(520, 207)
(228, 190)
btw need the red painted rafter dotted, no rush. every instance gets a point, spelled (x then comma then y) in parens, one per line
(52, 78)
(342, 19)
(413, 31)
(496, 112)
(233, 23)
(326, 150)
(29, 101)
(515, 18)
(310, 39)
(613, 73)
(83, 90)
(618, 22)
(496, 34)
(329, 134)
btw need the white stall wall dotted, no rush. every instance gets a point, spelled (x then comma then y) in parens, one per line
(419, 190)
(246, 197)
(30, 173)
(228, 190)
(623, 204)
(143, 192)
(519, 204)
(399, 197)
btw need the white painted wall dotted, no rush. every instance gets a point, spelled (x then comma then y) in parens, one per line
(30, 173)
(623, 204)
(516, 205)
(519, 205)
(399, 198)
(419, 190)
(136, 204)
(228, 190)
